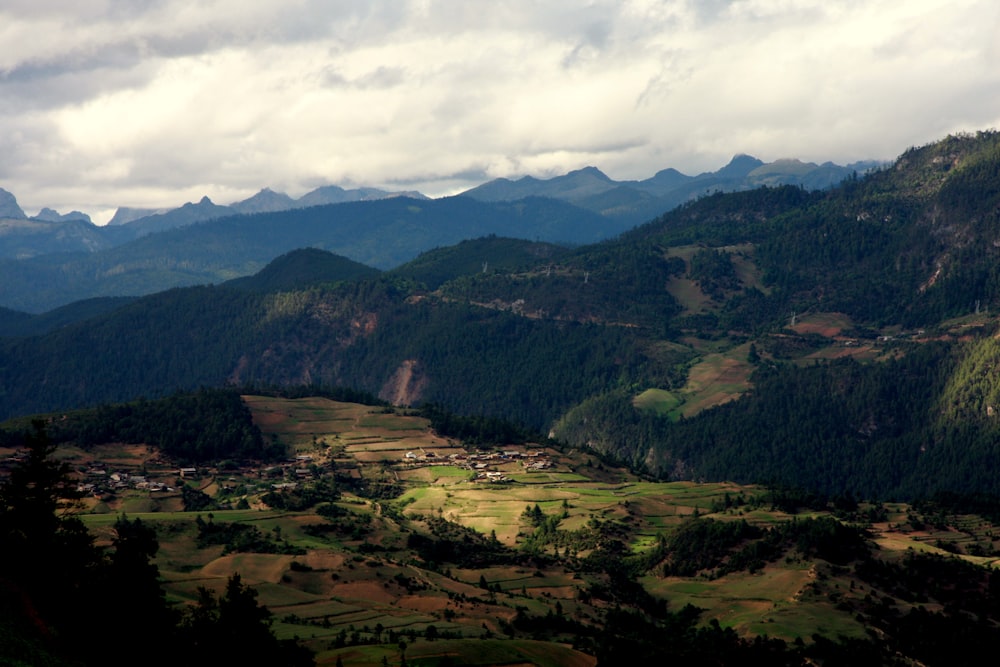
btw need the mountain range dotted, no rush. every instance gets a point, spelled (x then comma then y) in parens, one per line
(839, 339)
(634, 202)
(118, 260)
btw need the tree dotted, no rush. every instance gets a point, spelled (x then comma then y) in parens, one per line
(48, 559)
(235, 629)
(59, 592)
(146, 620)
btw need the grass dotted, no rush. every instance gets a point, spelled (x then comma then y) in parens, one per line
(423, 653)
(716, 379)
(660, 401)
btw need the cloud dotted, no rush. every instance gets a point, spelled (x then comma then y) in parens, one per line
(106, 103)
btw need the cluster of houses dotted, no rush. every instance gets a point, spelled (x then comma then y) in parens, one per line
(482, 464)
(298, 468)
(99, 482)
(102, 481)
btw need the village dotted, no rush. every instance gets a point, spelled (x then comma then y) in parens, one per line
(484, 465)
(109, 477)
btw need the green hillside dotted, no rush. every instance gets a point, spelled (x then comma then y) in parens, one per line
(837, 340)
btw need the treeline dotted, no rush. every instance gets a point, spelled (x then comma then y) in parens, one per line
(487, 255)
(334, 393)
(176, 340)
(190, 428)
(721, 547)
(609, 283)
(863, 248)
(475, 430)
(478, 361)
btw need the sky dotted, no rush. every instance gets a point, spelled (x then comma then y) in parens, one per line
(154, 103)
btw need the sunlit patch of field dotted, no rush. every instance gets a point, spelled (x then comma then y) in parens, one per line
(715, 380)
(841, 351)
(689, 295)
(302, 421)
(770, 602)
(371, 591)
(747, 271)
(253, 568)
(660, 401)
(549, 477)
(445, 474)
(827, 325)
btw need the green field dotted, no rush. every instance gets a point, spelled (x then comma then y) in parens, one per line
(660, 401)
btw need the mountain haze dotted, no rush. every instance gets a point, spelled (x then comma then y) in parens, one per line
(382, 234)
(638, 201)
(37, 276)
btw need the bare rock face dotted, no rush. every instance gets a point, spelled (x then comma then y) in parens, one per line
(126, 214)
(50, 215)
(406, 386)
(9, 207)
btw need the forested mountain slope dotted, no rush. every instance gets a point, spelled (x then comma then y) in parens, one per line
(855, 324)
(382, 234)
(369, 335)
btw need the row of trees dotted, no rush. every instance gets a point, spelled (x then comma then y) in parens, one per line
(188, 427)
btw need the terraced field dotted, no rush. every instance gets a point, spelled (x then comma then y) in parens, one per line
(352, 583)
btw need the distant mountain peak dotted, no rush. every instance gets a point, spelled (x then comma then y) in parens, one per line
(265, 201)
(51, 215)
(333, 194)
(590, 171)
(127, 214)
(9, 207)
(48, 215)
(741, 165)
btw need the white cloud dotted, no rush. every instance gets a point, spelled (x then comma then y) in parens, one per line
(107, 103)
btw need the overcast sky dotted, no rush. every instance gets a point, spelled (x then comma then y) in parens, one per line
(107, 103)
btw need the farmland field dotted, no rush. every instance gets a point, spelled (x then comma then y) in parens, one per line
(353, 583)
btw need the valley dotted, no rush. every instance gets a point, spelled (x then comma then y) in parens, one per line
(758, 428)
(379, 537)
